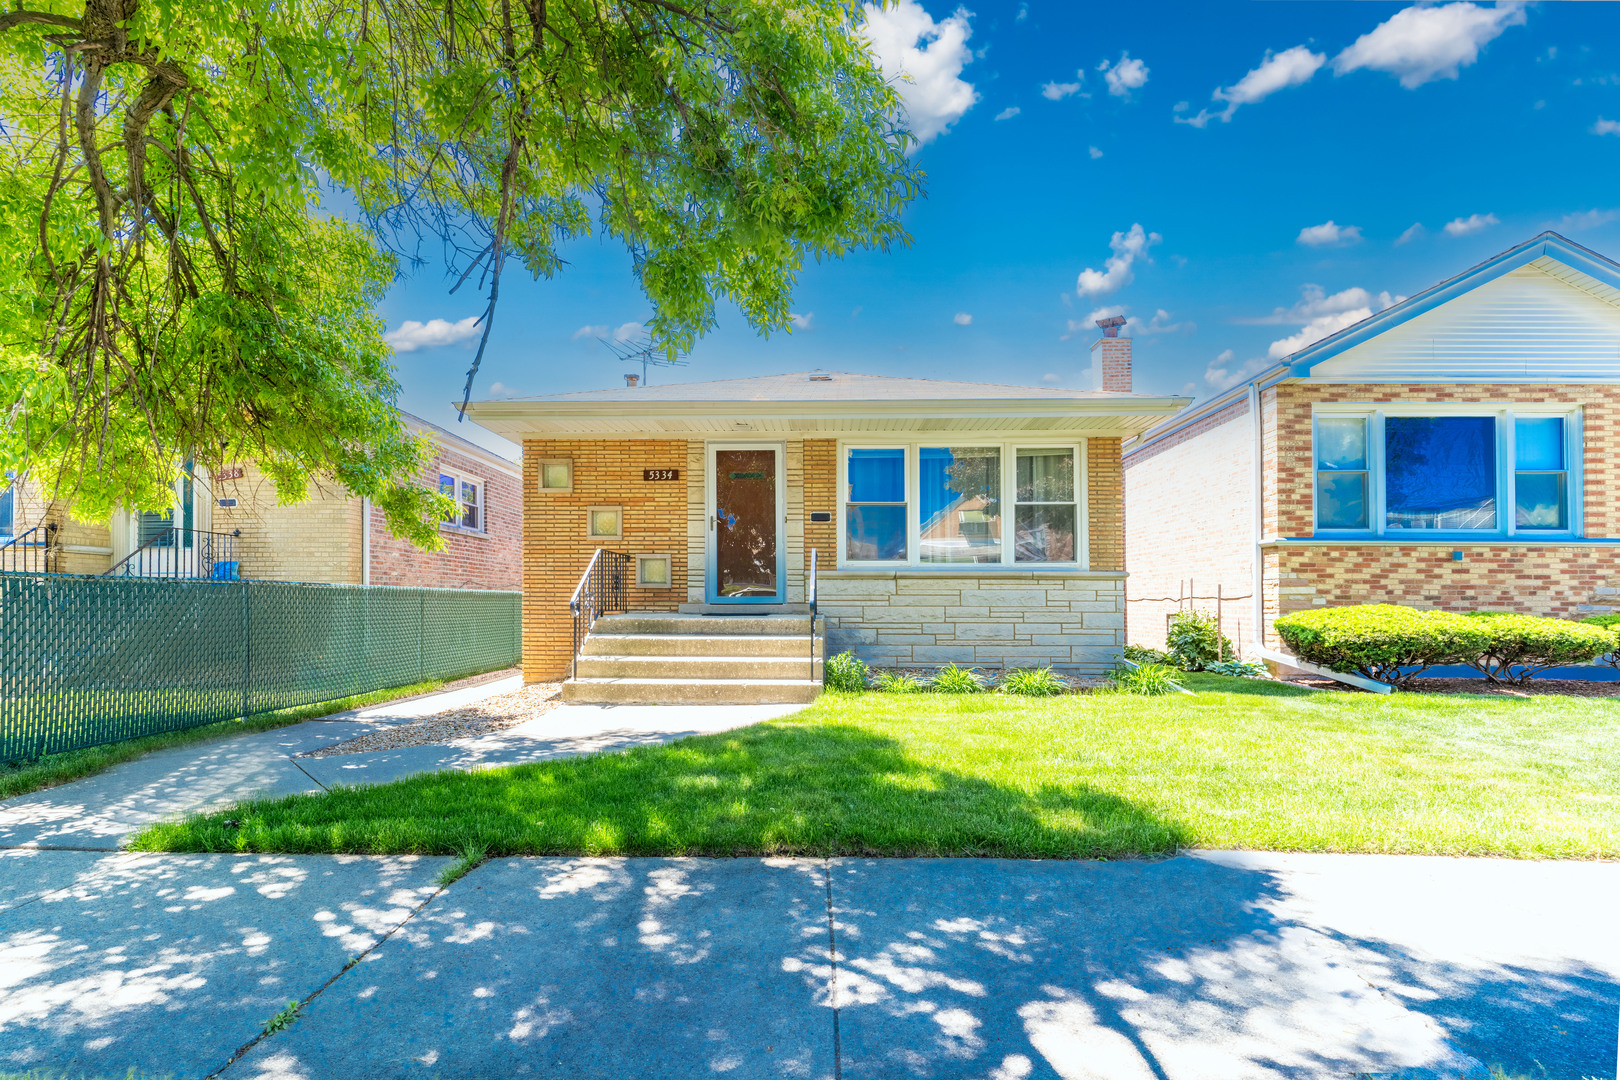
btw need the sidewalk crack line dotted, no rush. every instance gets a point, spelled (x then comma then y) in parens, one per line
(832, 955)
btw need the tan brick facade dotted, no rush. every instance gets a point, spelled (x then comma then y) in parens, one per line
(1105, 504)
(821, 495)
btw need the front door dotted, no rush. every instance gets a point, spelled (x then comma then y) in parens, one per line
(746, 563)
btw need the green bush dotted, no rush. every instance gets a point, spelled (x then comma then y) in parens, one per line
(845, 672)
(1610, 623)
(1239, 669)
(1147, 679)
(1141, 654)
(891, 682)
(954, 680)
(1522, 646)
(1383, 642)
(1194, 641)
(1034, 682)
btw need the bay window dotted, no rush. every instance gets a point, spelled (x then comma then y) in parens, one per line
(1410, 469)
(939, 505)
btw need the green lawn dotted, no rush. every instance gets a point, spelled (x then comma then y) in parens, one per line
(1242, 764)
(21, 777)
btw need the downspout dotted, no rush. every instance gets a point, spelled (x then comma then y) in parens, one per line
(365, 541)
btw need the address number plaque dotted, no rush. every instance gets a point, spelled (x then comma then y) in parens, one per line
(660, 474)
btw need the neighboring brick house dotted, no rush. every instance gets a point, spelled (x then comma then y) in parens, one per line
(951, 521)
(1455, 451)
(232, 525)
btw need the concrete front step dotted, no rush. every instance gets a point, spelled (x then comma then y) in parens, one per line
(692, 691)
(744, 668)
(699, 645)
(706, 625)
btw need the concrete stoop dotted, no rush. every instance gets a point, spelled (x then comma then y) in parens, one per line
(691, 658)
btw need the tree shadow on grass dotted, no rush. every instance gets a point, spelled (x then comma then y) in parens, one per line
(773, 789)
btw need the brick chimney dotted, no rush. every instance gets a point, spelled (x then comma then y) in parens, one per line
(632, 380)
(1114, 354)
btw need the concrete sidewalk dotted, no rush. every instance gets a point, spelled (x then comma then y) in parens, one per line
(1227, 965)
(100, 812)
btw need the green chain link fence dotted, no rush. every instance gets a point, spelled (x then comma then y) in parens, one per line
(92, 660)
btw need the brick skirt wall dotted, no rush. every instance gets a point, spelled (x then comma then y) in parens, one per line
(1074, 621)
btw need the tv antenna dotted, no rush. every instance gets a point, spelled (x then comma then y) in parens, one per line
(642, 350)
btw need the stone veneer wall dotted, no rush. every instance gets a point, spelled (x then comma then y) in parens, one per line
(1073, 620)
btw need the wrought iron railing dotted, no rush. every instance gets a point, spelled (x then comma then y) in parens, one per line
(183, 553)
(810, 593)
(31, 552)
(604, 588)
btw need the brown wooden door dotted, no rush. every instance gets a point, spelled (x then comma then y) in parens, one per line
(746, 525)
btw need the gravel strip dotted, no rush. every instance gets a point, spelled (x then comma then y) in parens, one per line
(481, 718)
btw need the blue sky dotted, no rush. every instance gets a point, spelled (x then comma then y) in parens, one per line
(1259, 174)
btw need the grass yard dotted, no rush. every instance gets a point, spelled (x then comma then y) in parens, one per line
(1242, 764)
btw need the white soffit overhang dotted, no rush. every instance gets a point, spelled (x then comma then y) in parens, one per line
(519, 420)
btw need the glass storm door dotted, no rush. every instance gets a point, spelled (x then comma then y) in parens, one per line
(745, 524)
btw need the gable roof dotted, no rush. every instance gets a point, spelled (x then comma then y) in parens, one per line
(1552, 254)
(823, 401)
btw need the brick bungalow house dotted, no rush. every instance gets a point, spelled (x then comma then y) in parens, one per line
(1454, 451)
(231, 524)
(950, 521)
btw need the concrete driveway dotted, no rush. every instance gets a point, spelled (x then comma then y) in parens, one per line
(1206, 965)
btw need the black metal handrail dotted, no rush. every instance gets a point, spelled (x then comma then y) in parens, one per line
(197, 554)
(605, 587)
(29, 556)
(810, 592)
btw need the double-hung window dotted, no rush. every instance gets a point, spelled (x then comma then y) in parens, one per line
(468, 494)
(982, 504)
(1406, 469)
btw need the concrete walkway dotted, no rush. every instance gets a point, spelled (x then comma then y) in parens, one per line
(100, 812)
(1216, 965)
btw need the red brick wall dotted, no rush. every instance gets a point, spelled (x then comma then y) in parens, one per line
(556, 549)
(1114, 357)
(490, 560)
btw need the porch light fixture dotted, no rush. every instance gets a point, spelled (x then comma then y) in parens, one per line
(556, 474)
(653, 571)
(604, 523)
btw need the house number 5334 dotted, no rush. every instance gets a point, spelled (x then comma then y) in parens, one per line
(660, 474)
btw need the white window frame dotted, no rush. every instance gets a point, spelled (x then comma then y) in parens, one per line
(483, 502)
(1503, 413)
(1009, 476)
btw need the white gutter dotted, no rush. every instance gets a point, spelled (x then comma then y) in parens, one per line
(1259, 572)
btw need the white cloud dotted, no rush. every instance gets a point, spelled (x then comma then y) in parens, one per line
(1328, 233)
(1221, 375)
(1125, 76)
(1419, 44)
(962, 318)
(1094, 152)
(499, 389)
(1057, 91)
(1471, 224)
(802, 321)
(1319, 314)
(1023, 13)
(1606, 127)
(1413, 232)
(413, 335)
(1315, 330)
(1008, 113)
(1134, 327)
(926, 58)
(1127, 247)
(1279, 71)
(1587, 219)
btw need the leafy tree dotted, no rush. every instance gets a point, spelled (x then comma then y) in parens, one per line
(173, 289)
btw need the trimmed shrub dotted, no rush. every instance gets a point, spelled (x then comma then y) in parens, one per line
(892, 682)
(1383, 642)
(1034, 682)
(1141, 654)
(1194, 641)
(1522, 646)
(1238, 669)
(1612, 624)
(845, 672)
(1149, 680)
(954, 680)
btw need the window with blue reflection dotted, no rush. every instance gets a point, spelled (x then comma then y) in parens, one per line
(1540, 477)
(959, 503)
(1342, 475)
(875, 511)
(1440, 472)
(8, 503)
